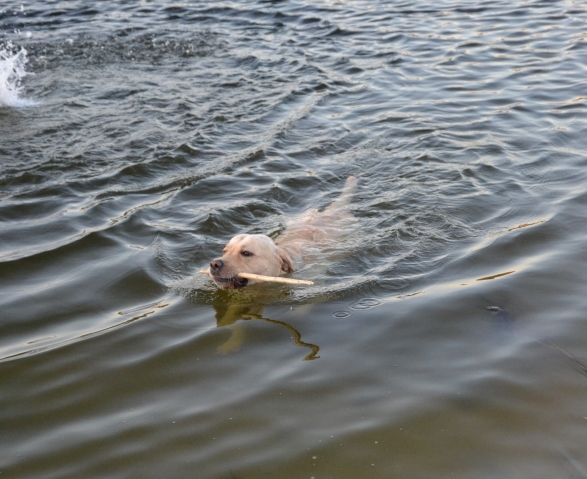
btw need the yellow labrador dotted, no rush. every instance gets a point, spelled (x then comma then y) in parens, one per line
(259, 254)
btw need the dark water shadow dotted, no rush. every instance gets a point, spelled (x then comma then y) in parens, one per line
(506, 318)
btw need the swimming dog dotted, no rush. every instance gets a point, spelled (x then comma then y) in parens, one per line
(259, 254)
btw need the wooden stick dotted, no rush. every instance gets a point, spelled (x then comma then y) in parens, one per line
(274, 279)
(269, 279)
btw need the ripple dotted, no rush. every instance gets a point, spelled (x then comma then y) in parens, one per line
(162, 130)
(365, 303)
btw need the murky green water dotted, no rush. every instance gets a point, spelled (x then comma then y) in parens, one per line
(447, 336)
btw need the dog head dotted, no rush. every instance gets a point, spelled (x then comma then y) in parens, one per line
(245, 253)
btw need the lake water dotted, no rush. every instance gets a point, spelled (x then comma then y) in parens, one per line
(447, 337)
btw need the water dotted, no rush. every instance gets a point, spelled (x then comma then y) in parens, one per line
(12, 70)
(446, 336)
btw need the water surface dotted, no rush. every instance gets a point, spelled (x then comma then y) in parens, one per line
(445, 338)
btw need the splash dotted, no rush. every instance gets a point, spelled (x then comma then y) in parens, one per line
(12, 71)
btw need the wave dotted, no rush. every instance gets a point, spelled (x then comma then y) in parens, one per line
(12, 71)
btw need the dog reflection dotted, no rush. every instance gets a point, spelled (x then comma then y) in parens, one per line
(228, 315)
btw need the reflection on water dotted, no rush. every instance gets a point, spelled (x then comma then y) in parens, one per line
(495, 276)
(160, 130)
(231, 306)
(297, 337)
(65, 339)
(236, 338)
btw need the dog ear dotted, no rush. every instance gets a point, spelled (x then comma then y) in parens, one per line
(286, 262)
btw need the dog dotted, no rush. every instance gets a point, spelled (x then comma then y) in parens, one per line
(259, 254)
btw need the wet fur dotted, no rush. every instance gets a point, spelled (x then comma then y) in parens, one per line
(259, 254)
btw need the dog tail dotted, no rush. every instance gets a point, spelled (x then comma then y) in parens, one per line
(350, 187)
(345, 198)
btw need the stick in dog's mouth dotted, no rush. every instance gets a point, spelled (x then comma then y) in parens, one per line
(241, 279)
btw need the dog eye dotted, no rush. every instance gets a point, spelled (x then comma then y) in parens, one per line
(246, 253)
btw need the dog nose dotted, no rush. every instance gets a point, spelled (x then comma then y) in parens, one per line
(216, 264)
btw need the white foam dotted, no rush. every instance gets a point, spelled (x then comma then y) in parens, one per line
(12, 71)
